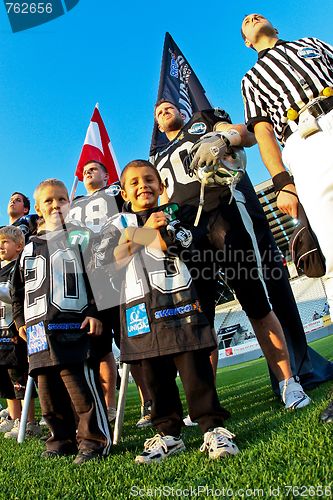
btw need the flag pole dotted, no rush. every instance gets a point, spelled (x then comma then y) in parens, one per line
(76, 179)
(25, 409)
(74, 188)
(118, 425)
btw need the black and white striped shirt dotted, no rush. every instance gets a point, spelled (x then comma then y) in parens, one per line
(286, 76)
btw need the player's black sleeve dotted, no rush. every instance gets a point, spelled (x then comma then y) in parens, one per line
(106, 244)
(17, 294)
(213, 115)
(28, 225)
(85, 246)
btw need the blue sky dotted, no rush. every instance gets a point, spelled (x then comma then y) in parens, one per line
(109, 52)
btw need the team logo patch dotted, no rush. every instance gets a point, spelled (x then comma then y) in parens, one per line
(198, 128)
(177, 311)
(113, 190)
(79, 237)
(309, 53)
(171, 210)
(137, 320)
(184, 237)
(36, 338)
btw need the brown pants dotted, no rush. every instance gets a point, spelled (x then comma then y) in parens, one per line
(67, 392)
(197, 378)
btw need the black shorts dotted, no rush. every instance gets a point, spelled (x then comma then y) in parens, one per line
(13, 382)
(13, 353)
(6, 386)
(102, 345)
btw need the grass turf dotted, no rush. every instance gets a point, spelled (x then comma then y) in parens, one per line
(284, 454)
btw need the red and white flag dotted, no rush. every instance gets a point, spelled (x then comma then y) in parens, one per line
(97, 147)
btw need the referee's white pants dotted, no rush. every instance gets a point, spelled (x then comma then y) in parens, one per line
(311, 163)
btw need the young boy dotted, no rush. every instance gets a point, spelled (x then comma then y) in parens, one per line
(13, 349)
(94, 211)
(58, 317)
(162, 322)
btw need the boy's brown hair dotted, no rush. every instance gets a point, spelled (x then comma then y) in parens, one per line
(138, 164)
(103, 167)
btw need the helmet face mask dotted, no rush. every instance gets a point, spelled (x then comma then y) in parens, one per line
(228, 171)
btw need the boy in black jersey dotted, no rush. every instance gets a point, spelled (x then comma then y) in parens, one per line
(13, 349)
(162, 322)
(58, 318)
(94, 210)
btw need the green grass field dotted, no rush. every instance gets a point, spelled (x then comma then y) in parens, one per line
(283, 454)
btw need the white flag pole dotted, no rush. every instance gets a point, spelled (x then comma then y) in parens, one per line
(25, 409)
(76, 179)
(118, 426)
(74, 188)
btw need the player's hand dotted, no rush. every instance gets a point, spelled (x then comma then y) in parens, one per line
(156, 220)
(287, 202)
(209, 150)
(124, 237)
(23, 332)
(95, 326)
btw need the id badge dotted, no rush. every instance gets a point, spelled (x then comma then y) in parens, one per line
(36, 338)
(308, 125)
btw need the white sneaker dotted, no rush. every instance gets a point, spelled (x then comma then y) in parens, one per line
(292, 394)
(159, 447)
(218, 443)
(4, 413)
(145, 420)
(33, 429)
(6, 425)
(188, 422)
(42, 422)
(13, 433)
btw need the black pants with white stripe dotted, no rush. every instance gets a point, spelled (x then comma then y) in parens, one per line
(229, 243)
(73, 406)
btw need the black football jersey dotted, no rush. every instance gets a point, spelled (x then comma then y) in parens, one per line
(181, 187)
(12, 348)
(95, 210)
(51, 296)
(160, 312)
(27, 224)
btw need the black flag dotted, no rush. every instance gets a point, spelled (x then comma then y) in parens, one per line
(179, 85)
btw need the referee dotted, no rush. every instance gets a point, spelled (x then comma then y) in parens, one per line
(288, 97)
